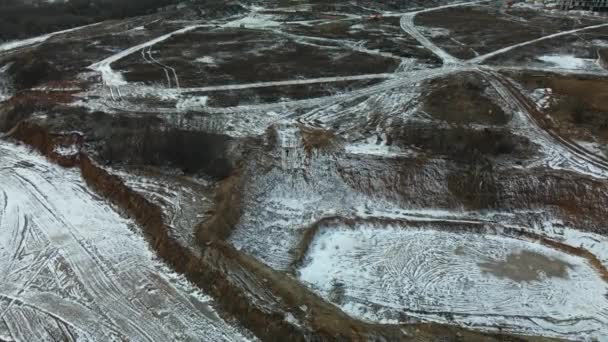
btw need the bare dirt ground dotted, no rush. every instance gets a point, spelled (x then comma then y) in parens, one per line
(324, 171)
(575, 108)
(493, 27)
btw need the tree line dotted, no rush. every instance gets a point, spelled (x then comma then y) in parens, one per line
(20, 19)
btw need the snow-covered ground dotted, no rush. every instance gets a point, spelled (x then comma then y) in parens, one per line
(380, 274)
(542, 97)
(184, 201)
(568, 62)
(74, 269)
(68, 256)
(5, 87)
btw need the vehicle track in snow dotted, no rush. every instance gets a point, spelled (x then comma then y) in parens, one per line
(376, 273)
(70, 259)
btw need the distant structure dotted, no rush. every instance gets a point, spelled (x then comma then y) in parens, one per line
(587, 5)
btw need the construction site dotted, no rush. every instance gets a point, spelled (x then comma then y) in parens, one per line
(308, 171)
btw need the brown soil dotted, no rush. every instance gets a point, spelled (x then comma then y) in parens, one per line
(316, 139)
(580, 107)
(461, 142)
(462, 99)
(257, 295)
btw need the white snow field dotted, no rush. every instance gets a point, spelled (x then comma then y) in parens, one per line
(486, 281)
(74, 269)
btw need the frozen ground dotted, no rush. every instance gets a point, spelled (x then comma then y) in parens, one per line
(379, 273)
(66, 269)
(74, 269)
(4, 84)
(184, 201)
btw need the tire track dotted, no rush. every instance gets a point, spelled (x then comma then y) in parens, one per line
(127, 293)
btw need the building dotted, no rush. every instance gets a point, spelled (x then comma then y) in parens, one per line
(587, 5)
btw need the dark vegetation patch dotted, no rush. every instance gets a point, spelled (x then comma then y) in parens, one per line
(603, 58)
(49, 62)
(492, 29)
(19, 20)
(231, 98)
(462, 143)
(29, 71)
(247, 56)
(135, 141)
(580, 106)
(12, 114)
(145, 141)
(462, 99)
(190, 151)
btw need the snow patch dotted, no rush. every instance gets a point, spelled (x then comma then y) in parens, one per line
(567, 61)
(5, 87)
(192, 103)
(66, 151)
(205, 60)
(380, 273)
(542, 97)
(254, 21)
(36, 40)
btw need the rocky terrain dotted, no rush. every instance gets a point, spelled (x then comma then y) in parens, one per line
(309, 171)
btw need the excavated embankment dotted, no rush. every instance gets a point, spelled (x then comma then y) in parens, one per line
(263, 300)
(603, 58)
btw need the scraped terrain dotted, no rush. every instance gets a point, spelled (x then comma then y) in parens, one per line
(68, 260)
(378, 273)
(427, 170)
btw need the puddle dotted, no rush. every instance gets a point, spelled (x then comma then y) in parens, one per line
(525, 266)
